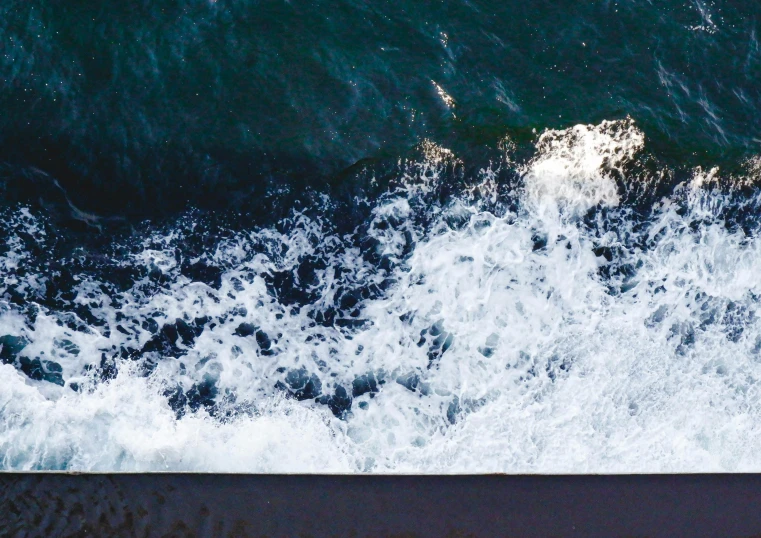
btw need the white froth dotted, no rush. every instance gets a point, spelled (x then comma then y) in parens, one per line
(574, 167)
(123, 426)
(549, 367)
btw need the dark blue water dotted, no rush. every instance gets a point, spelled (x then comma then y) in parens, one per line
(144, 107)
(407, 237)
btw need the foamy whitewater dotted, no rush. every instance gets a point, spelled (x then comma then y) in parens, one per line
(572, 321)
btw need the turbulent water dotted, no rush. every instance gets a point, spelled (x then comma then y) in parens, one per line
(295, 237)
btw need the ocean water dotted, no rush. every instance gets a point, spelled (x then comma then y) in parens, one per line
(367, 237)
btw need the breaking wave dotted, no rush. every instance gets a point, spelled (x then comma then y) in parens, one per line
(578, 309)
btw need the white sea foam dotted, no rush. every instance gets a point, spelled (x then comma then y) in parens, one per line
(573, 168)
(123, 425)
(556, 359)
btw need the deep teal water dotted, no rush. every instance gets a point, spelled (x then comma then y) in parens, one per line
(138, 107)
